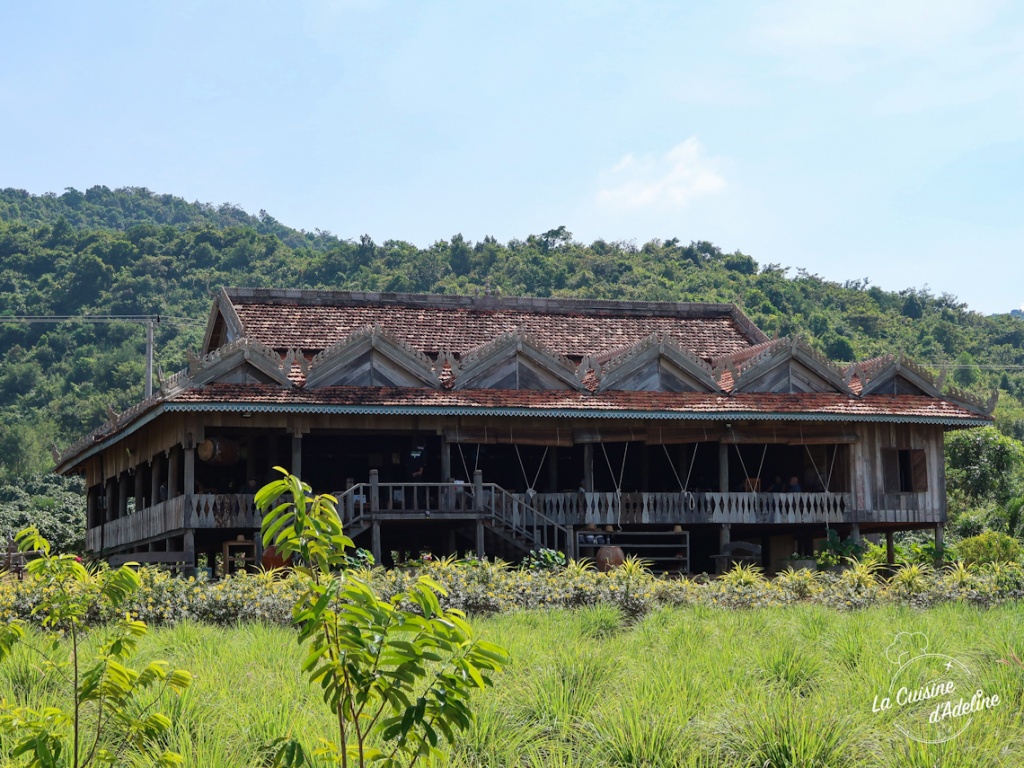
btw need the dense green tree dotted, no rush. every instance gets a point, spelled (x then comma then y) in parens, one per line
(984, 464)
(55, 505)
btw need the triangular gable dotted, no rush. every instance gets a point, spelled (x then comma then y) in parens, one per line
(657, 364)
(891, 375)
(223, 325)
(515, 361)
(787, 366)
(896, 375)
(370, 357)
(244, 361)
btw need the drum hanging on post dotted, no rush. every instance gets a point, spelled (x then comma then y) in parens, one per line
(219, 451)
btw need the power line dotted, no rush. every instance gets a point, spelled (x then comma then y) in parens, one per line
(160, 319)
(150, 321)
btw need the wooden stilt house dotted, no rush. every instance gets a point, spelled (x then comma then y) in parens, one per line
(499, 425)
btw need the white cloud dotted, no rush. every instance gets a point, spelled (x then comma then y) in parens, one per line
(911, 26)
(673, 180)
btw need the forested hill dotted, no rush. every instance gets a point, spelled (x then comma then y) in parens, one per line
(129, 251)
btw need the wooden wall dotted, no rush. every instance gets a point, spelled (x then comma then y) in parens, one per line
(867, 471)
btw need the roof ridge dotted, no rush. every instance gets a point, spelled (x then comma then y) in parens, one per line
(533, 304)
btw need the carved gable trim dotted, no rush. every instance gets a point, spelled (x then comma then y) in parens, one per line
(763, 372)
(880, 377)
(224, 360)
(658, 349)
(476, 364)
(331, 365)
(222, 315)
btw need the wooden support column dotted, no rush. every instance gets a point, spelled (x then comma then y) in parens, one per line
(297, 455)
(939, 543)
(480, 538)
(375, 545)
(723, 468)
(374, 490)
(890, 549)
(446, 460)
(724, 536)
(588, 467)
(189, 544)
(189, 486)
(173, 472)
(570, 543)
(478, 489)
(855, 532)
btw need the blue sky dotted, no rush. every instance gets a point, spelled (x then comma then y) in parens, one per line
(852, 139)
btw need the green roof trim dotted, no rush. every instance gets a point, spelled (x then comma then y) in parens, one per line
(562, 413)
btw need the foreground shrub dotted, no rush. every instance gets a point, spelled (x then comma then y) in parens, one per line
(397, 680)
(111, 717)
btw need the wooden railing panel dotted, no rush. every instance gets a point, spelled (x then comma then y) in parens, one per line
(222, 510)
(161, 518)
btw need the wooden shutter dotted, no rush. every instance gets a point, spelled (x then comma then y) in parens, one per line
(919, 470)
(891, 470)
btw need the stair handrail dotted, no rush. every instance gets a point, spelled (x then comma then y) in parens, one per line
(540, 520)
(351, 512)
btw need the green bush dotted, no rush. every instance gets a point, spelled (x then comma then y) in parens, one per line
(989, 547)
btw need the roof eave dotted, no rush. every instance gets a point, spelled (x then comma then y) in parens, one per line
(465, 410)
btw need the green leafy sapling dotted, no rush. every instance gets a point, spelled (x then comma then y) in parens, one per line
(112, 712)
(397, 674)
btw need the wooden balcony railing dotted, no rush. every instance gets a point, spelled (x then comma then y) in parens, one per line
(694, 508)
(232, 510)
(537, 518)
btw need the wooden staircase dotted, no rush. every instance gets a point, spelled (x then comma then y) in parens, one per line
(511, 525)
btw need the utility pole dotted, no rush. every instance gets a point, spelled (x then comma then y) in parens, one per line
(149, 357)
(150, 321)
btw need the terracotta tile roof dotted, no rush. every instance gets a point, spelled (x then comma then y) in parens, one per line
(311, 321)
(825, 405)
(745, 354)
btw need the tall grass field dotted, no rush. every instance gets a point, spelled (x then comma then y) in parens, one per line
(795, 686)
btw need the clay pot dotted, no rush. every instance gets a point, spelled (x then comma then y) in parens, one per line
(608, 558)
(271, 559)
